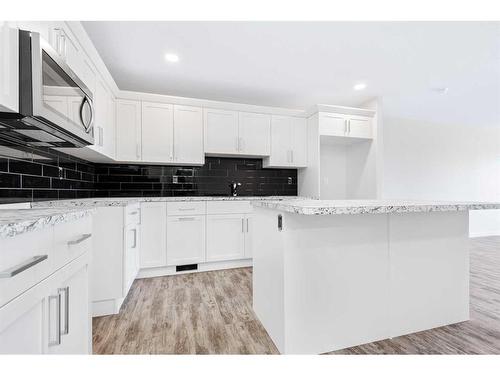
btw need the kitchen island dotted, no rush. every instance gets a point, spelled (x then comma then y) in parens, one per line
(329, 275)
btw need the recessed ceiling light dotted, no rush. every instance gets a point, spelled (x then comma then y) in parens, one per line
(171, 57)
(359, 86)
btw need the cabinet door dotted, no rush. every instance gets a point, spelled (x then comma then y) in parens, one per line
(157, 132)
(281, 141)
(22, 325)
(188, 135)
(221, 131)
(153, 252)
(332, 124)
(225, 237)
(255, 134)
(360, 127)
(9, 67)
(128, 130)
(131, 266)
(101, 116)
(248, 236)
(299, 150)
(185, 240)
(74, 314)
(110, 135)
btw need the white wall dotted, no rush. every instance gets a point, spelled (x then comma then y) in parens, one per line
(445, 162)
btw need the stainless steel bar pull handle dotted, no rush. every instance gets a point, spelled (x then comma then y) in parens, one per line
(186, 218)
(57, 340)
(17, 269)
(65, 330)
(135, 238)
(80, 240)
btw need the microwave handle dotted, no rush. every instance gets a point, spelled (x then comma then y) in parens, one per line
(88, 128)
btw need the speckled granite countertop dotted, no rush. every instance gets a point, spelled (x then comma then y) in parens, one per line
(117, 202)
(15, 222)
(353, 207)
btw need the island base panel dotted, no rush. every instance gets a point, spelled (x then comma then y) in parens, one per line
(330, 282)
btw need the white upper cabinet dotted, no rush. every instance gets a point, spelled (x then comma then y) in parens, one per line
(188, 135)
(110, 136)
(237, 133)
(9, 67)
(288, 143)
(360, 127)
(101, 116)
(157, 132)
(221, 131)
(332, 124)
(299, 142)
(128, 130)
(345, 126)
(254, 134)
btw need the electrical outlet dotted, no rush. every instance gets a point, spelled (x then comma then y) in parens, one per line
(290, 180)
(175, 179)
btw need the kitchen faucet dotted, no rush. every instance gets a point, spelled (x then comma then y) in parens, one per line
(234, 188)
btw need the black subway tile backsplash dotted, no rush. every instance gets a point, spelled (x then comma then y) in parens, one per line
(28, 174)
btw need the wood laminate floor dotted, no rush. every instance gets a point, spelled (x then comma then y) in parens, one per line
(211, 313)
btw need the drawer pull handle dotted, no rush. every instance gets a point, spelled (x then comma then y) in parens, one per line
(134, 213)
(186, 218)
(187, 209)
(79, 240)
(13, 271)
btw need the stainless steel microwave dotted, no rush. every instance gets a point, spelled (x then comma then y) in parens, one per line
(55, 106)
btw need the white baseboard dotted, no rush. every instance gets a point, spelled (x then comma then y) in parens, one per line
(484, 234)
(106, 307)
(202, 267)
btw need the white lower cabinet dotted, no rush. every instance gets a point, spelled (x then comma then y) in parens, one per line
(226, 237)
(50, 311)
(116, 252)
(185, 240)
(21, 319)
(68, 326)
(153, 234)
(131, 257)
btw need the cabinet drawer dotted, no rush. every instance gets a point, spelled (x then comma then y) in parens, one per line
(25, 260)
(186, 208)
(229, 207)
(133, 214)
(71, 240)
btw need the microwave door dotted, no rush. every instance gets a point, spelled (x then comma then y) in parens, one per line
(58, 95)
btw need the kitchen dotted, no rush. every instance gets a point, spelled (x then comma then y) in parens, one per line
(142, 218)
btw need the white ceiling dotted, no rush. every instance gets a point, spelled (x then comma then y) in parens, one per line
(297, 64)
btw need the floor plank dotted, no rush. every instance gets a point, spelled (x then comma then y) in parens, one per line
(211, 313)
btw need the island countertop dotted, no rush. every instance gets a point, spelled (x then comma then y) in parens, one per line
(18, 221)
(353, 207)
